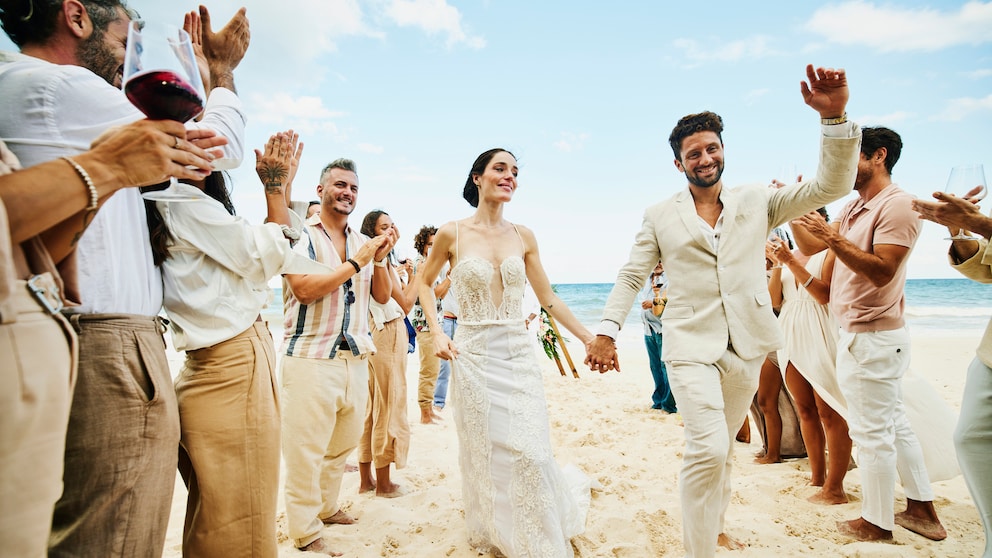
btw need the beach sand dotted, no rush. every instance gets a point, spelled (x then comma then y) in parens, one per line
(604, 424)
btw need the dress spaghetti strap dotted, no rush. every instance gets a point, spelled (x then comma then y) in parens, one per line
(456, 241)
(523, 247)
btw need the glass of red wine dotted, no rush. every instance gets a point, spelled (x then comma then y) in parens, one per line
(162, 79)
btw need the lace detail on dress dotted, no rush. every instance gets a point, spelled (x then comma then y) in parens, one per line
(473, 277)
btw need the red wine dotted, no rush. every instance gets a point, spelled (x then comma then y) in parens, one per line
(163, 95)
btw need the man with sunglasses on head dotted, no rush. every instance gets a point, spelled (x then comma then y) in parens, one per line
(324, 367)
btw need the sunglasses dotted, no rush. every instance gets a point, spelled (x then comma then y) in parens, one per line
(349, 297)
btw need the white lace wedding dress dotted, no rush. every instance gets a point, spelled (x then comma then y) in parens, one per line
(518, 502)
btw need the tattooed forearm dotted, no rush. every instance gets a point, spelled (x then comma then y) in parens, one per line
(273, 176)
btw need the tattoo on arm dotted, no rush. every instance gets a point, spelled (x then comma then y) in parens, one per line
(87, 218)
(273, 175)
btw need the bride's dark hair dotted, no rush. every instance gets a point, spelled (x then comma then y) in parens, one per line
(471, 191)
(214, 185)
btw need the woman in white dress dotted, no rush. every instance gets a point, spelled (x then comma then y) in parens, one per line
(517, 500)
(808, 362)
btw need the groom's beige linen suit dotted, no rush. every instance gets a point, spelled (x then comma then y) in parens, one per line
(719, 323)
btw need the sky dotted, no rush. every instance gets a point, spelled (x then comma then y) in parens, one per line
(585, 95)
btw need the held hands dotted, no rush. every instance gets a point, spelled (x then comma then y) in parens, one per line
(601, 354)
(273, 164)
(826, 92)
(150, 151)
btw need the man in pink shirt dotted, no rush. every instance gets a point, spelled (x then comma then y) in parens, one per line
(872, 239)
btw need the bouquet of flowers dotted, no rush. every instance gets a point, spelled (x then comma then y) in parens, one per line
(546, 333)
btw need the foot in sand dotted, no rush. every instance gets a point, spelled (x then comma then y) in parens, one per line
(427, 416)
(320, 547)
(921, 518)
(339, 518)
(766, 459)
(828, 497)
(363, 488)
(395, 492)
(863, 530)
(728, 542)
(349, 468)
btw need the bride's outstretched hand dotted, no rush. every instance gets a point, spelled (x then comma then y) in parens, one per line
(444, 347)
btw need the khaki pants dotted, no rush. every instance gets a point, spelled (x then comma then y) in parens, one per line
(430, 365)
(121, 447)
(229, 453)
(386, 436)
(37, 367)
(713, 400)
(323, 409)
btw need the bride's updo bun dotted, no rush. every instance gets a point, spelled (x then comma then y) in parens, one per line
(471, 190)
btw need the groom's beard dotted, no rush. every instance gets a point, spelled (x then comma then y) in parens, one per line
(695, 180)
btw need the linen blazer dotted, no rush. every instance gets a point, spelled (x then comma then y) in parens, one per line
(720, 299)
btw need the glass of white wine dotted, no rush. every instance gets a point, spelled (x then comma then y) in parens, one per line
(963, 183)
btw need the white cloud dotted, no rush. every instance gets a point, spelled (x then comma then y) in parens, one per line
(571, 142)
(370, 148)
(890, 28)
(980, 74)
(433, 17)
(883, 119)
(749, 48)
(959, 109)
(307, 115)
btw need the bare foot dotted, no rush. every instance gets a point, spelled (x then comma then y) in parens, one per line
(863, 530)
(920, 524)
(339, 518)
(766, 459)
(760, 453)
(728, 542)
(426, 416)
(828, 498)
(363, 488)
(349, 468)
(319, 546)
(395, 492)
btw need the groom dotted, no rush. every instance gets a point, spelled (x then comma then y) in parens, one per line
(718, 322)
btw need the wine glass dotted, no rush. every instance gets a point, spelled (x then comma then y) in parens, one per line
(162, 79)
(964, 179)
(775, 238)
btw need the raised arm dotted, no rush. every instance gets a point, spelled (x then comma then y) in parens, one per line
(273, 165)
(224, 49)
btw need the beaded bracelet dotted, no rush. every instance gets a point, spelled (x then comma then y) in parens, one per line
(90, 187)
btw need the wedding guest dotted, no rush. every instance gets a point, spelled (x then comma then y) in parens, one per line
(518, 502)
(430, 364)
(60, 93)
(324, 368)
(653, 297)
(973, 436)
(386, 433)
(809, 361)
(718, 323)
(872, 240)
(36, 206)
(216, 267)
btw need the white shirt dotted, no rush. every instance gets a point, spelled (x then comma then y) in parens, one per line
(216, 276)
(51, 110)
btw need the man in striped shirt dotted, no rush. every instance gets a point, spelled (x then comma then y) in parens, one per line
(325, 368)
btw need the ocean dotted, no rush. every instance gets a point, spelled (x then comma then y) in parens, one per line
(943, 306)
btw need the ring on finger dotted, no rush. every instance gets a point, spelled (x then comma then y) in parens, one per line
(176, 146)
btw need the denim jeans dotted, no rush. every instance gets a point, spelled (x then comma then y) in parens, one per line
(441, 389)
(662, 397)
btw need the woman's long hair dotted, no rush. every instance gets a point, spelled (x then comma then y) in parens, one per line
(214, 185)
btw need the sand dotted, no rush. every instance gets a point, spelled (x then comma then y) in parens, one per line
(604, 424)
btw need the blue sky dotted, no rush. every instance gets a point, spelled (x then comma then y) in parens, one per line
(586, 93)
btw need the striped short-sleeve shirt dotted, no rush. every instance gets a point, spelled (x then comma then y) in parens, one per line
(338, 321)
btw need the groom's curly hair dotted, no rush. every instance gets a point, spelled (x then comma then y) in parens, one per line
(692, 123)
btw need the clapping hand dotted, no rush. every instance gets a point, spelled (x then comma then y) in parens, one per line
(826, 91)
(225, 48)
(274, 162)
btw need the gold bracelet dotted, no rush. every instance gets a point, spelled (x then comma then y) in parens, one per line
(90, 187)
(834, 121)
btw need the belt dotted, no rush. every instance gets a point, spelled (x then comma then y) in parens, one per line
(450, 317)
(38, 294)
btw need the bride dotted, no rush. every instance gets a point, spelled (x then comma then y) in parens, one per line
(518, 502)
